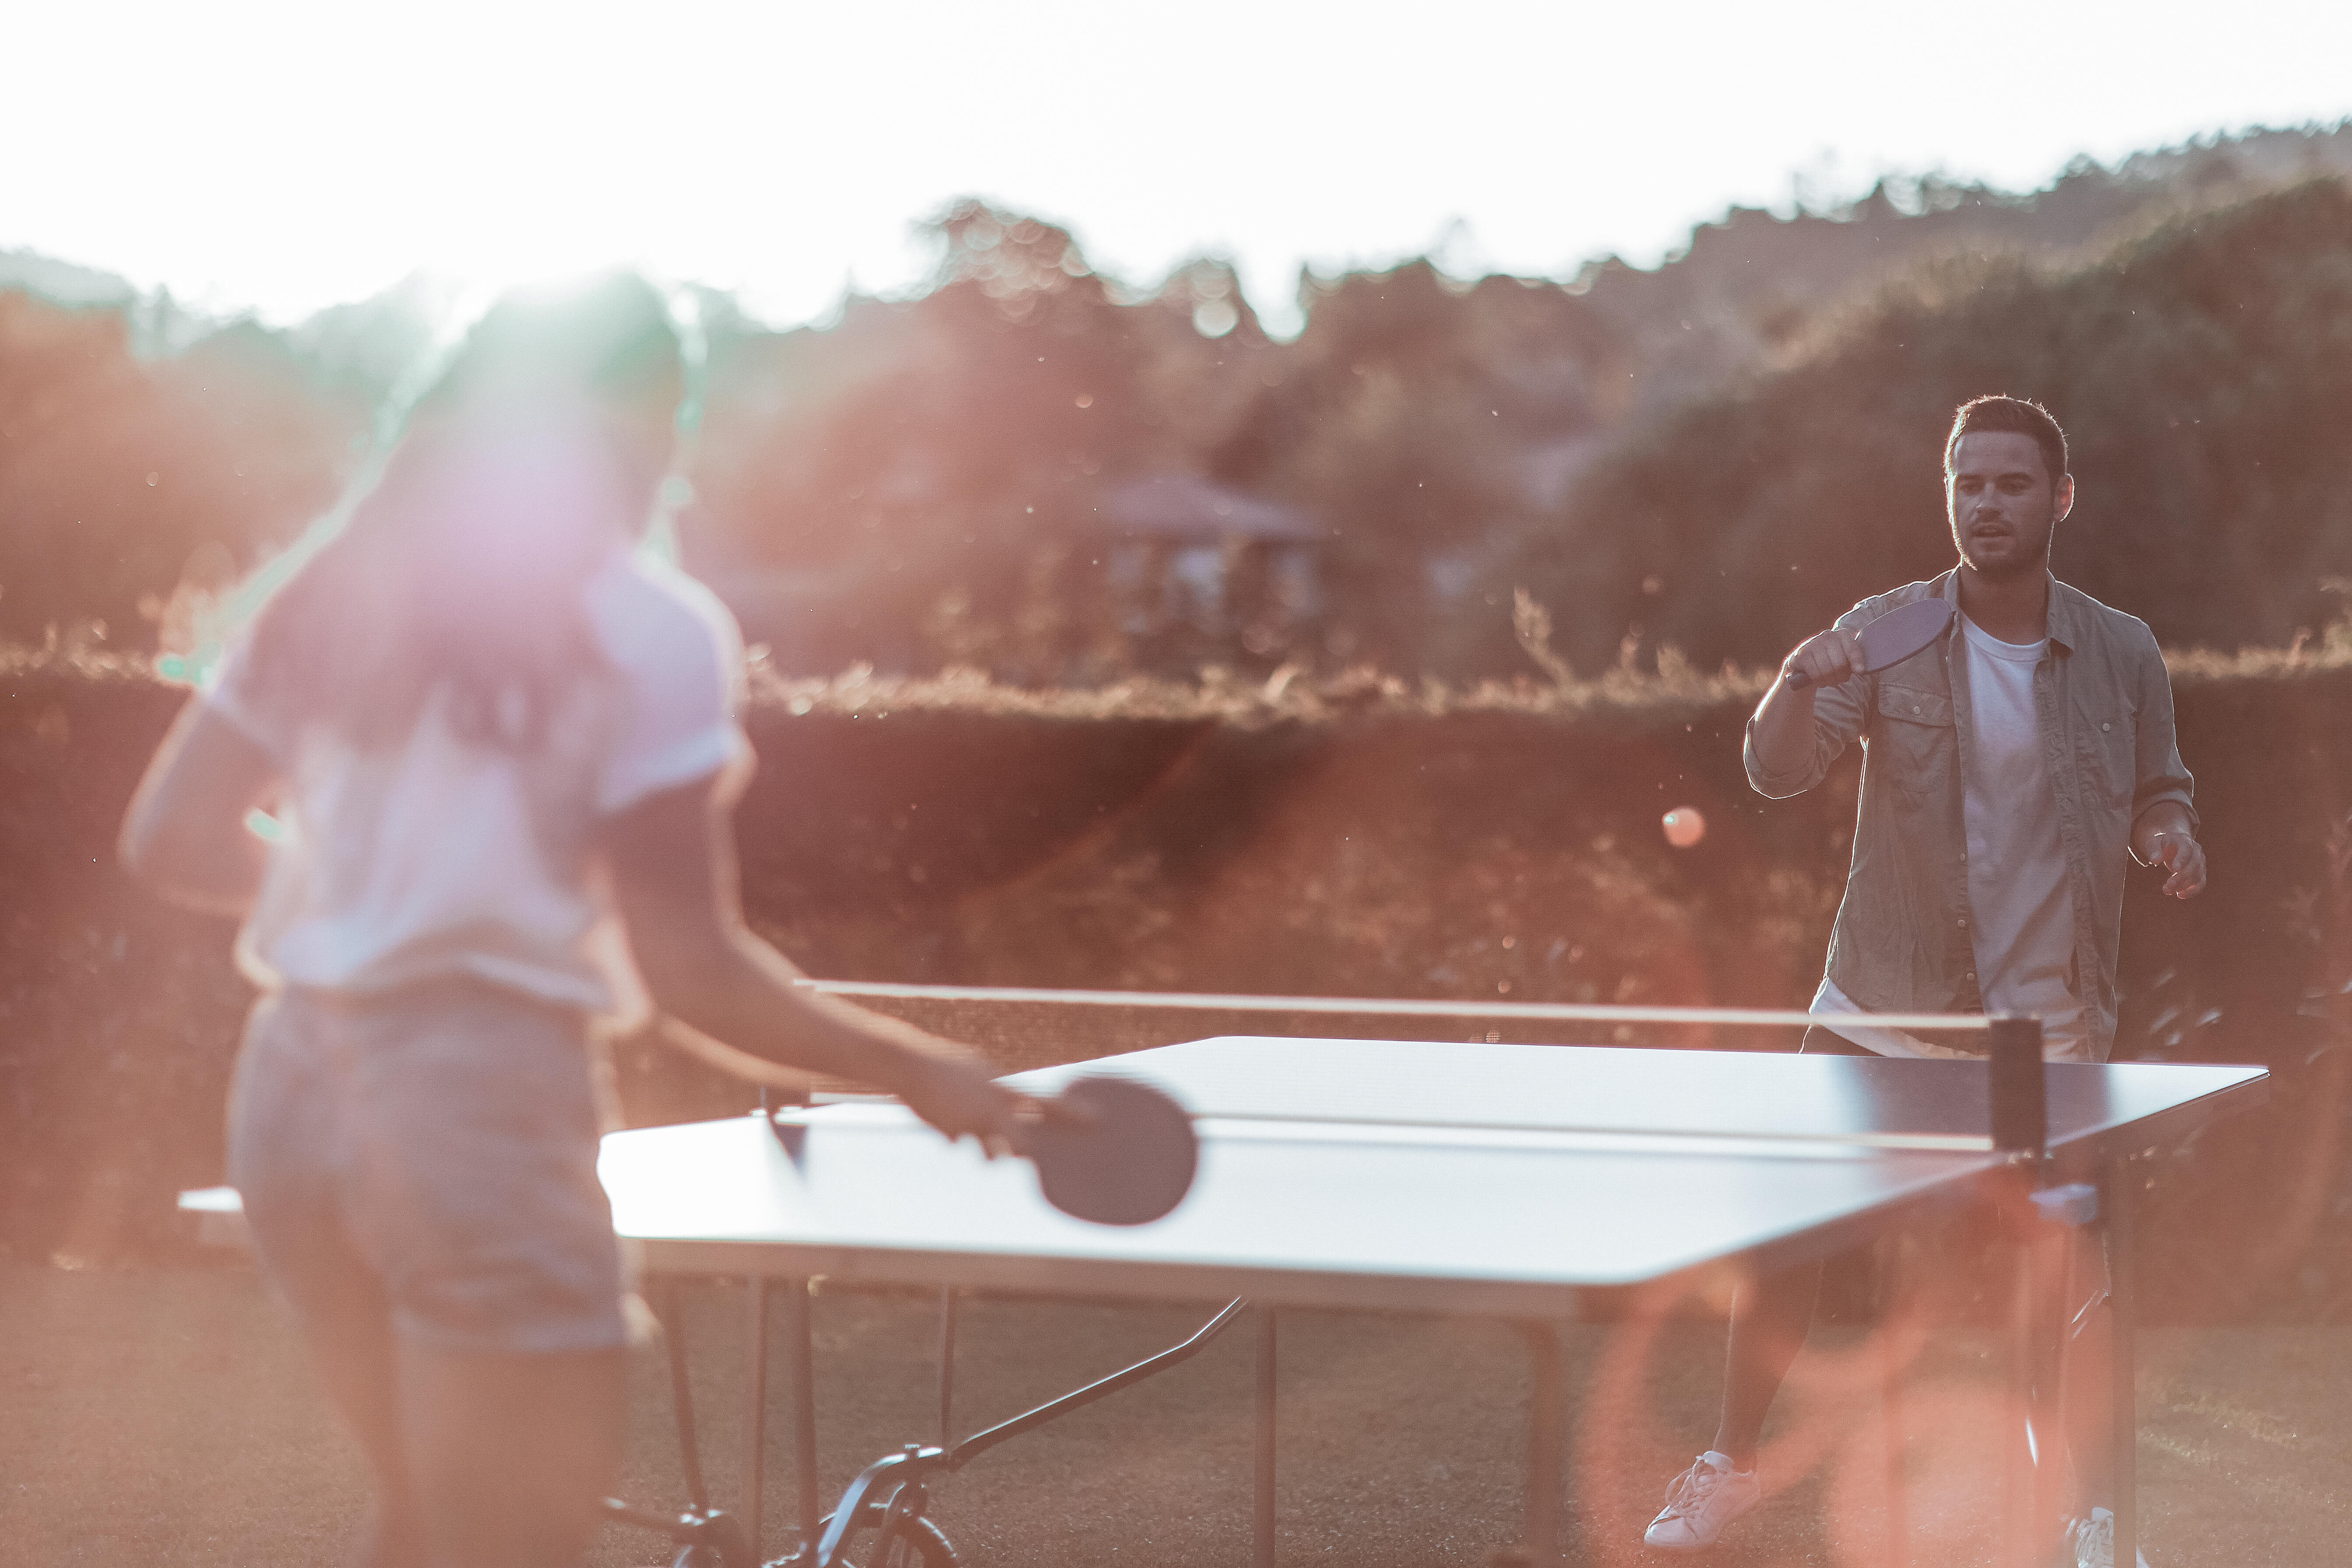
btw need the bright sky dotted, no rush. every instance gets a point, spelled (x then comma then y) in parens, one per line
(289, 155)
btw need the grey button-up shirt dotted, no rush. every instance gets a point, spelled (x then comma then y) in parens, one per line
(1904, 939)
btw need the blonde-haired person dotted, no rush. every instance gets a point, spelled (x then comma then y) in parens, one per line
(504, 747)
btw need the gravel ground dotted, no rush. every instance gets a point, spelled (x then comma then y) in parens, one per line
(166, 1416)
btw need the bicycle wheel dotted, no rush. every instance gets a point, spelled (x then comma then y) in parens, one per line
(916, 1542)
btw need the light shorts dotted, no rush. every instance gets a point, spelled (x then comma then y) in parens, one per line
(431, 1156)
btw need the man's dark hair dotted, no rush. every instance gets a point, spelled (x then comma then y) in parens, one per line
(2011, 416)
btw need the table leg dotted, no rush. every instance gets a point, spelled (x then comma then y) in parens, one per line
(672, 1313)
(1546, 1443)
(2019, 1488)
(947, 1365)
(1262, 1520)
(1890, 1396)
(2122, 1308)
(800, 1341)
(755, 1411)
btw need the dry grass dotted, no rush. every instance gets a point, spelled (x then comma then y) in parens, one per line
(165, 1417)
(1672, 692)
(76, 657)
(1290, 695)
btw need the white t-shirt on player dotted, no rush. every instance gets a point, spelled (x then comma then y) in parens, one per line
(440, 857)
(2022, 915)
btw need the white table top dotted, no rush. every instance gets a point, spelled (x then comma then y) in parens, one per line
(1502, 1179)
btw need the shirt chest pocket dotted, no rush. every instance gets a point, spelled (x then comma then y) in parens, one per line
(2106, 750)
(1914, 736)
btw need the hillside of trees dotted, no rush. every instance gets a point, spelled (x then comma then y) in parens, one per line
(948, 479)
(2203, 373)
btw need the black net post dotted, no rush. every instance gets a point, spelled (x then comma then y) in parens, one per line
(2021, 1112)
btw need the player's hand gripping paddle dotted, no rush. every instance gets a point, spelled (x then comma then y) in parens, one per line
(1109, 1150)
(1894, 637)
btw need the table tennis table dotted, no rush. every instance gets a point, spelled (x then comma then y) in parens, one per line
(1536, 1184)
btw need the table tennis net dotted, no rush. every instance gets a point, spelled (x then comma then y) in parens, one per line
(1021, 1027)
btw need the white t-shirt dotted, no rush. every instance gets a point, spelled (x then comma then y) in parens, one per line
(442, 857)
(2021, 915)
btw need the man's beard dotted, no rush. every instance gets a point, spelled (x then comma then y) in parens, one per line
(2002, 571)
(2005, 571)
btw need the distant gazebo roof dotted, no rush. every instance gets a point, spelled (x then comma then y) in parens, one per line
(1186, 506)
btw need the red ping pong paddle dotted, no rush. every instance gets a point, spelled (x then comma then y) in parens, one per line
(1895, 636)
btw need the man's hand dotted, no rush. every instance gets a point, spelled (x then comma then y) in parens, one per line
(2165, 834)
(2180, 854)
(1833, 656)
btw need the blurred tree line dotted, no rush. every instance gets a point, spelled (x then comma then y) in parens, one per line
(2204, 374)
(1716, 455)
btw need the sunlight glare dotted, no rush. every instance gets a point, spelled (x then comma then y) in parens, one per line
(294, 156)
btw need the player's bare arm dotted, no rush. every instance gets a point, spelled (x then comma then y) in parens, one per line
(1784, 720)
(674, 874)
(185, 832)
(2164, 835)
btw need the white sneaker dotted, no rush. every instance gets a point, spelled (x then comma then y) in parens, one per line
(2094, 1541)
(1703, 1499)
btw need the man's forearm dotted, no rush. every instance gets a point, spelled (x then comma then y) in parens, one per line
(1784, 729)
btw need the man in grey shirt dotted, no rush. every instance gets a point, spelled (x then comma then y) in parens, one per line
(2009, 769)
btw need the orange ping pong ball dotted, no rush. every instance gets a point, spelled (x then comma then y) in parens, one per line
(1685, 827)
